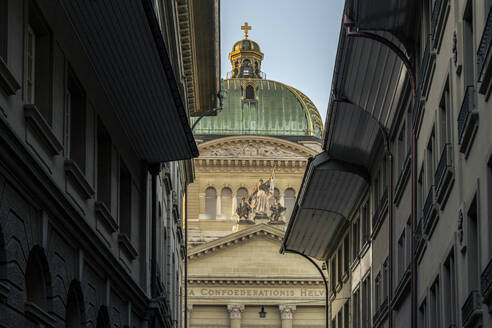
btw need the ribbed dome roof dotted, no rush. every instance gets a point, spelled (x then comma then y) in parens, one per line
(276, 110)
(246, 44)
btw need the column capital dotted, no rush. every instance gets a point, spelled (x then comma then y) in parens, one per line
(189, 307)
(287, 311)
(235, 310)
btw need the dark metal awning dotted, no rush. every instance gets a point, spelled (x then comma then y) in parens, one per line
(394, 16)
(123, 41)
(368, 79)
(321, 209)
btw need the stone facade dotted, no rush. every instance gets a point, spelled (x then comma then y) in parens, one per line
(90, 229)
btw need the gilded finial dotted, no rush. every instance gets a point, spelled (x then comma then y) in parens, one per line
(246, 28)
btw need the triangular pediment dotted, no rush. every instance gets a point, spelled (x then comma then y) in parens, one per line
(250, 254)
(238, 147)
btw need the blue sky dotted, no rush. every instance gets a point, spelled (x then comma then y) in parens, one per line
(298, 37)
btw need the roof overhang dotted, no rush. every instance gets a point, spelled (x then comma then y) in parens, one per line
(370, 75)
(199, 22)
(124, 44)
(329, 190)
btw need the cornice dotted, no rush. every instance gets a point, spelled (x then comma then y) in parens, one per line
(254, 282)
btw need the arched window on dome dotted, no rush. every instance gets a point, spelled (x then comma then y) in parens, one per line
(289, 201)
(226, 202)
(211, 203)
(246, 68)
(249, 93)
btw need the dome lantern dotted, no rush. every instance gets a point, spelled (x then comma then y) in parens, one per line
(246, 57)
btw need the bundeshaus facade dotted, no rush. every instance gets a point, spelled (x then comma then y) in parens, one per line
(398, 203)
(95, 153)
(253, 154)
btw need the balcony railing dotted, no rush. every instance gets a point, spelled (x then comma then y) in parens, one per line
(435, 16)
(378, 213)
(429, 201)
(486, 282)
(466, 108)
(471, 309)
(485, 43)
(425, 60)
(442, 165)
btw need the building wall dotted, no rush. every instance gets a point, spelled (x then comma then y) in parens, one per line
(448, 230)
(60, 249)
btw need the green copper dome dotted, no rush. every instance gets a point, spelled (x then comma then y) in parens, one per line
(262, 107)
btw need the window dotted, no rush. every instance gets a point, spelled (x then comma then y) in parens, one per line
(246, 68)
(340, 265)
(125, 200)
(435, 305)
(365, 223)
(103, 318)
(408, 256)
(356, 238)
(211, 203)
(334, 322)
(401, 149)
(3, 29)
(444, 119)
(431, 160)
(339, 319)
(240, 194)
(346, 314)
(473, 255)
(226, 202)
(356, 309)
(333, 274)
(39, 67)
(468, 47)
(420, 194)
(346, 254)
(385, 279)
(289, 200)
(35, 275)
(76, 111)
(366, 302)
(449, 291)
(377, 290)
(422, 315)
(249, 93)
(74, 308)
(401, 255)
(104, 161)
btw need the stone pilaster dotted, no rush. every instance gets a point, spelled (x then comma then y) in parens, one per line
(287, 315)
(235, 314)
(189, 309)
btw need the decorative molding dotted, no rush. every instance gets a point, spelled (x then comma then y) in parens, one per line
(39, 315)
(126, 244)
(7, 80)
(103, 213)
(73, 171)
(37, 121)
(235, 310)
(287, 311)
(4, 291)
(254, 281)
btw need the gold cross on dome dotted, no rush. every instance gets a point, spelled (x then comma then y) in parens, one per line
(246, 28)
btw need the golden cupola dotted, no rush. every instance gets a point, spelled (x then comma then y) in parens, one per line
(246, 57)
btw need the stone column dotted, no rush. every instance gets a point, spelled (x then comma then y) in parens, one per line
(188, 314)
(235, 313)
(287, 314)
